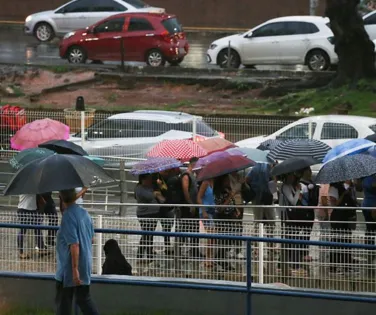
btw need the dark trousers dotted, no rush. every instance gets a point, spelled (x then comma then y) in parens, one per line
(226, 227)
(189, 224)
(64, 300)
(370, 227)
(167, 222)
(148, 223)
(29, 218)
(341, 234)
(53, 220)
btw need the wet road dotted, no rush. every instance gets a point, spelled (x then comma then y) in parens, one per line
(15, 47)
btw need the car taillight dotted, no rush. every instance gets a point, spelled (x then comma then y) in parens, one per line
(199, 138)
(221, 135)
(167, 37)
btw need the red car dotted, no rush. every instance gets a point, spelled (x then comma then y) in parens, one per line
(149, 37)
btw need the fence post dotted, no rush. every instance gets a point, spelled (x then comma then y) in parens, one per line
(122, 52)
(123, 189)
(229, 55)
(99, 245)
(82, 128)
(248, 308)
(106, 200)
(261, 255)
(194, 128)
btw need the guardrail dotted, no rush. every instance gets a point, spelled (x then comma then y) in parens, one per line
(248, 289)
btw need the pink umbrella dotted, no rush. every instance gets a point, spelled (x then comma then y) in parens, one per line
(38, 132)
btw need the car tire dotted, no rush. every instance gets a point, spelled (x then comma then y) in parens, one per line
(44, 32)
(234, 59)
(76, 54)
(318, 60)
(155, 58)
(176, 62)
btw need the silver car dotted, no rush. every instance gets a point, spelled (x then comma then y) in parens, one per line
(78, 14)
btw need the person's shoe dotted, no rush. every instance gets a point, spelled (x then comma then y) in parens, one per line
(24, 256)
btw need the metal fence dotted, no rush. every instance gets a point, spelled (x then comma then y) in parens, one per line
(133, 138)
(313, 266)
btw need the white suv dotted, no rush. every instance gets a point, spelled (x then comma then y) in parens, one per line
(133, 134)
(79, 14)
(286, 40)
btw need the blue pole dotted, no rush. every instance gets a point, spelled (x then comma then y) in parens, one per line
(249, 279)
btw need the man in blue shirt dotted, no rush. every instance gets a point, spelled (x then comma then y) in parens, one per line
(74, 258)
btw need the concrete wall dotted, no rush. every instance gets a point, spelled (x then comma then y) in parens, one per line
(193, 13)
(115, 298)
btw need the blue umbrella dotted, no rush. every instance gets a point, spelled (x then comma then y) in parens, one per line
(96, 160)
(29, 155)
(256, 155)
(155, 165)
(351, 147)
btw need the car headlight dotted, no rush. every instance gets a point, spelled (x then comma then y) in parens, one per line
(213, 46)
(70, 34)
(28, 19)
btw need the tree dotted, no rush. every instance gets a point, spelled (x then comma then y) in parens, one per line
(353, 46)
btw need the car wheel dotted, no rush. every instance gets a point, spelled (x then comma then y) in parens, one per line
(154, 58)
(176, 62)
(76, 55)
(318, 60)
(222, 60)
(44, 32)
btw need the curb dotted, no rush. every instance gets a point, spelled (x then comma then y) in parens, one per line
(203, 31)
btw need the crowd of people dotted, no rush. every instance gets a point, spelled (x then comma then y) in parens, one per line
(197, 201)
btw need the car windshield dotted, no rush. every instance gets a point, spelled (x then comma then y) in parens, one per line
(172, 26)
(138, 4)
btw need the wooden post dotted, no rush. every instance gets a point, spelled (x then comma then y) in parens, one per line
(123, 189)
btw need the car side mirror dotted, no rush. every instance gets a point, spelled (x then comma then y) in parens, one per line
(249, 35)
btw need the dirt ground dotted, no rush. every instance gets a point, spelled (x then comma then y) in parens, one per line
(112, 96)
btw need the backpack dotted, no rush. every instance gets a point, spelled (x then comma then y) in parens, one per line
(13, 117)
(175, 194)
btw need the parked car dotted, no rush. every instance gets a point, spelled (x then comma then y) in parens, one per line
(331, 129)
(79, 14)
(134, 133)
(292, 40)
(148, 37)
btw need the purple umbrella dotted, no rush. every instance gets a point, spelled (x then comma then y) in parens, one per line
(216, 156)
(155, 165)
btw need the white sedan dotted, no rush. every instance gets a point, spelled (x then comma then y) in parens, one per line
(286, 40)
(331, 129)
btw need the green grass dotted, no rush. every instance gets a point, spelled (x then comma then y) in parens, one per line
(44, 312)
(328, 101)
(59, 69)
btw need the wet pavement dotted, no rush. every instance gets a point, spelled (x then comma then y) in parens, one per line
(17, 48)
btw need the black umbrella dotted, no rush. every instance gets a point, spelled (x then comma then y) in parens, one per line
(371, 137)
(56, 172)
(269, 144)
(300, 148)
(346, 168)
(292, 165)
(63, 147)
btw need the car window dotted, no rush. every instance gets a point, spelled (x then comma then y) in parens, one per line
(370, 20)
(138, 4)
(147, 129)
(373, 128)
(300, 28)
(107, 6)
(113, 25)
(76, 6)
(338, 131)
(139, 24)
(272, 29)
(110, 128)
(172, 26)
(297, 132)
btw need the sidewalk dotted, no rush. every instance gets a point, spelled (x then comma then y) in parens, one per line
(188, 29)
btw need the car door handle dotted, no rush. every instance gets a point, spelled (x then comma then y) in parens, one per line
(149, 35)
(116, 37)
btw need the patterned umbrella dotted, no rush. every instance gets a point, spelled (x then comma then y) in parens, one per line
(215, 144)
(269, 144)
(300, 148)
(29, 155)
(155, 165)
(181, 150)
(225, 166)
(39, 131)
(354, 146)
(346, 168)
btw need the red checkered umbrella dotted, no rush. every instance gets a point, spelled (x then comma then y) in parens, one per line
(179, 149)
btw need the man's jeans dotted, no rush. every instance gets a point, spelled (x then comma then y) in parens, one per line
(64, 299)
